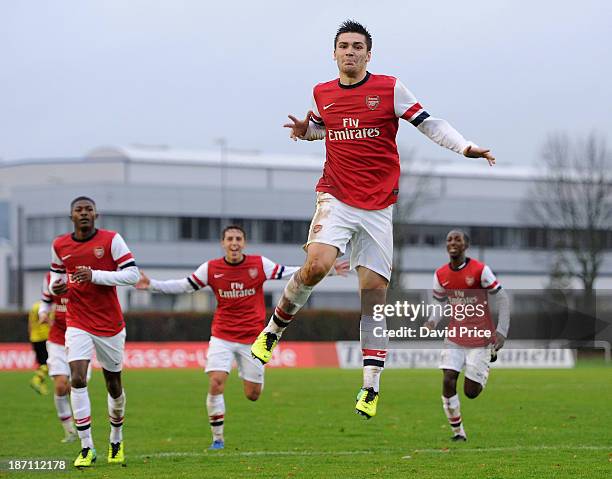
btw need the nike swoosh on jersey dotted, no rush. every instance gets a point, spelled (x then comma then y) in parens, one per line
(329, 106)
(445, 283)
(218, 275)
(66, 257)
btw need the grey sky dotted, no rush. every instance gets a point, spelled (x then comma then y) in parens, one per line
(79, 74)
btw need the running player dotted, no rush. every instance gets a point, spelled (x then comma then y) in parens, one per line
(53, 311)
(237, 281)
(87, 265)
(358, 115)
(37, 333)
(472, 341)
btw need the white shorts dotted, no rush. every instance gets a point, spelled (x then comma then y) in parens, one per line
(370, 232)
(109, 349)
(221, 355)
(57, 361)
(474, 360)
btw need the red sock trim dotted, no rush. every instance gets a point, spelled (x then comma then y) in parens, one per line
(282, 315)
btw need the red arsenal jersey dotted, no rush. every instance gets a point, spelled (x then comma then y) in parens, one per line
(362, 166)
(92, 307)
(58, 328)
(467, 285)
(241, 310)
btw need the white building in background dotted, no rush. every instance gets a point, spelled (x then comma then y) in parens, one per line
(170, 206)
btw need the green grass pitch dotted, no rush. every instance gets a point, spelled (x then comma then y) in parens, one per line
(526, 424)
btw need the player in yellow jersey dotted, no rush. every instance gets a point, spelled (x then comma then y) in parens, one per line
(38, 332)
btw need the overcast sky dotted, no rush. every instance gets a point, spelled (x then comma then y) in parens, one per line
(79, 74)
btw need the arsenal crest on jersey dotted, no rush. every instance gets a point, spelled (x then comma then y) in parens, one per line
(372, 101)
(98, 251)
(469, 280)
(253, 273)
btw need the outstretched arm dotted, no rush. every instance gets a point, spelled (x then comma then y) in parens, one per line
(436, 129)
(442, 133)
(306, 129)
(473, 151)
(194, 282)
(171, 286)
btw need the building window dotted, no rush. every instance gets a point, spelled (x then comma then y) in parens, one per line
(170, 228)
(186, 228)
(270, 231)
(113, 223)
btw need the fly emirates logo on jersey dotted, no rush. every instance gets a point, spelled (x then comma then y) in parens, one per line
(352, 131)
(459, 297)
(237, 291)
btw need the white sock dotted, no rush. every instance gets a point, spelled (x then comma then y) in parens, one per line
(215, 404)
(371, 377)
(373, 351)
(278, 322)
(452, 409)
(81, 407)
(116, 411)
(64, 413)
(293, 299)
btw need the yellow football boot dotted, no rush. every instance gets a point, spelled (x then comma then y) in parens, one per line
(367, 399)
(115, 453)
(263, 346)
(86, 457)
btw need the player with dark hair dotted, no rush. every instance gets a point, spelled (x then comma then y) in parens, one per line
(472, 340)
(358, 116)
(351, 26)
(86, 266)
(237, 280)
(82, 198)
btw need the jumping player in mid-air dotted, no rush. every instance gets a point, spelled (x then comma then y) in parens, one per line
(358, 116)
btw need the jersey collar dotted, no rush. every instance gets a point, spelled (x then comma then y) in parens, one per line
(463, 265)
(354, 85)
(74, 238)
(244, 256)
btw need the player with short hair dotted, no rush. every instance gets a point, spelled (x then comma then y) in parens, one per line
(87, 265)
(237, 280)
(53, 311)
(358, 116)
(472, 341)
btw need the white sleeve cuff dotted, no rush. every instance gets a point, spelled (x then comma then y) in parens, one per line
(171, 286)
(314, 132)
(441, 132)
(125, 277)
